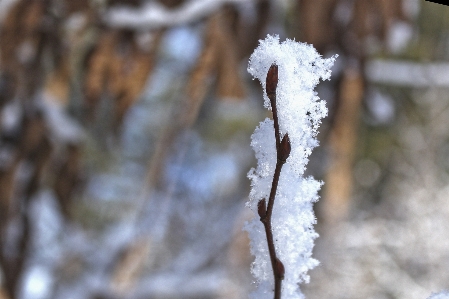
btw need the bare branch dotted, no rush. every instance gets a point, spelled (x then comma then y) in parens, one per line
(283, 149)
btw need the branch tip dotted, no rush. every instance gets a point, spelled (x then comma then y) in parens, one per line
(280, 270)
(272, 81)
(284, 149)
(262, 209)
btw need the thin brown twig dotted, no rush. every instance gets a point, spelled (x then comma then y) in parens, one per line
(283, 151)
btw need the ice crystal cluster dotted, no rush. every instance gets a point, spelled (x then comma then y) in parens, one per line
(300, 111)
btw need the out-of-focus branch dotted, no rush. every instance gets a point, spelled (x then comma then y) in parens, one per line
(184, 116)
(154, 15)
(343, 139)
(3, 294)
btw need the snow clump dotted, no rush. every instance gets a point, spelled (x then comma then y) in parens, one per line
(300, 110)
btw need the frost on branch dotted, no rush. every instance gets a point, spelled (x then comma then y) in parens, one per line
(300, 111)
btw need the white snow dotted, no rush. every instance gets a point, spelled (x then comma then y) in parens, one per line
(381, 106)
(183, 44)
(442, 295)
(154, 15)
(37, 283)
(300, 111)
(399, 36)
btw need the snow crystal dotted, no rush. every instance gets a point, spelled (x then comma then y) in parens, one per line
(300, 111)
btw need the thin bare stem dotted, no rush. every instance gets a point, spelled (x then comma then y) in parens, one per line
(271, 86)
(283, 151)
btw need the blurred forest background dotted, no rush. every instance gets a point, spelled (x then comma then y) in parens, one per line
(125, 142)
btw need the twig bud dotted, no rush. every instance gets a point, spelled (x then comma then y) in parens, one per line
(280, 270)
(272, 81)
(284, 149)
(262, 209)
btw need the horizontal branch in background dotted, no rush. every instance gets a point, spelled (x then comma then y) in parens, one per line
(407, 73)
(154, 15)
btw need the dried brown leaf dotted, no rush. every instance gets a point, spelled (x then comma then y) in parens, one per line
(171, 3)
(58, 82)
(40, 157)
(314, 19)
(20, 28)
(68, 177)
(197, 85)
(99, 64)
(134, 3)
(128, 81)
(129, 265)
(229, 81)
(34, 131)
(7, 186)
(375, 17)
(120, 67)
(71, 6)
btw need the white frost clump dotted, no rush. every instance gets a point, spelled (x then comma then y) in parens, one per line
(442, 295)
(300, 111)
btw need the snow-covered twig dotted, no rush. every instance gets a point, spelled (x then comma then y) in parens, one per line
(288, 72)
(154, 15)
(283, 149)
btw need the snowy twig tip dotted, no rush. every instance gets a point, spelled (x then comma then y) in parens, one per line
(282, 238)
(272, 79)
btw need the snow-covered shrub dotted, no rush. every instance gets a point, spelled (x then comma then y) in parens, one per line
(294, 70)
